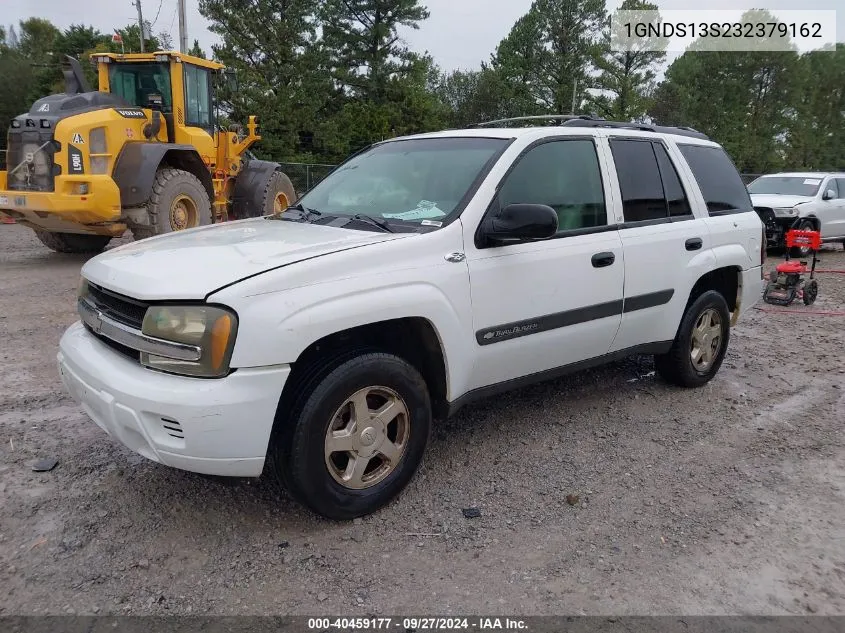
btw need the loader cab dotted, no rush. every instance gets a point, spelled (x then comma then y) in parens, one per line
(144, 85)
(180, 86)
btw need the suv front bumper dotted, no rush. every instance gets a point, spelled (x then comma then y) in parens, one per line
(213, 426)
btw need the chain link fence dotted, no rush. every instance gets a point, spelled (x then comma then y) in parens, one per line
(305, 176)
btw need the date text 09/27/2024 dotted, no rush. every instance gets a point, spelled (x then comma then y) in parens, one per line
(417, 624)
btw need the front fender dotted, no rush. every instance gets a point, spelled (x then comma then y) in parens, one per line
(137, 164)
(274, 329)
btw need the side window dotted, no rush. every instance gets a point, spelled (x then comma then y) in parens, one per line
(838, 186)
(197, 97)
(639, 180)
(564, 175)
(676, 199)
(718, 179)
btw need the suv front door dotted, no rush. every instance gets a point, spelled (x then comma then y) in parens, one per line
(539, 305)
(831, 212)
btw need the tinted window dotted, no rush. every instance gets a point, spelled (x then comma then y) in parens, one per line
(639, 180)
(717, 178)
(197, 97)
(564, 175)
(142, 84)
(838, 185)
(676, 199)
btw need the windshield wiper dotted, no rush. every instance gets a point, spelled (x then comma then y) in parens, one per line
(361, 217)
(305, 213)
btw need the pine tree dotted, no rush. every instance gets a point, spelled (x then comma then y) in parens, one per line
(627, 77)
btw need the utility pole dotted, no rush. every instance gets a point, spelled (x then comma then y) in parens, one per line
(140, 23)
(183, 28)
(574, 93)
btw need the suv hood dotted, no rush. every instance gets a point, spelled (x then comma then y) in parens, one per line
(192, 264)
(774, 200)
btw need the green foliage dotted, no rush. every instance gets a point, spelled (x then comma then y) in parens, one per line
(197, 51)
(546, 57)
(739, 98)
(329, 78)
(816, 112)
(626, 77)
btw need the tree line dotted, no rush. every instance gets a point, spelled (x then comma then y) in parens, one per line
(328, 78)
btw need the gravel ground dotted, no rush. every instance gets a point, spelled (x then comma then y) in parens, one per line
(727, 499)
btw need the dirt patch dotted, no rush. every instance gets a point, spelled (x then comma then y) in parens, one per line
(727, 499)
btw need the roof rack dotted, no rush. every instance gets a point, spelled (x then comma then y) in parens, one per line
(660, 129)
(539, 117)
(587, 120)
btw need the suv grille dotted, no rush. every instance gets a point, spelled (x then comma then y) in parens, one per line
(122, 309)
(30, 153)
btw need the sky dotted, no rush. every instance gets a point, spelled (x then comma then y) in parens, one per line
(460, 34)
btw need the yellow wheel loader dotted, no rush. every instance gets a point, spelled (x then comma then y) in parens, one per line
(144, 153)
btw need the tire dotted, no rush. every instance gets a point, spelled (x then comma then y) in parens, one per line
(313, 474)
(811, 292)
(179, 201)
(677, 366)
(73, 242)
(278, 195)
(804, 225)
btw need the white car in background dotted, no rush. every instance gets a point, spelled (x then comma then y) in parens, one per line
(794, 198)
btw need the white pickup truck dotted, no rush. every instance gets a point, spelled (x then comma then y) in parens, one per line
(320, 343)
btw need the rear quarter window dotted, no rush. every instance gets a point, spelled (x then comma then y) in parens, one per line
(718, 179)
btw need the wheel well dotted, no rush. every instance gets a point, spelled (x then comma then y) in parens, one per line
(192, 163)
(723, 280)
(414, 339)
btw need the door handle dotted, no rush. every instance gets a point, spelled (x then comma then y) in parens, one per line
(693, 244)
(601, 260)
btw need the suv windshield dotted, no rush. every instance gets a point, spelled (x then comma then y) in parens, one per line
(142, 85)
(786, 185)
(413, 181)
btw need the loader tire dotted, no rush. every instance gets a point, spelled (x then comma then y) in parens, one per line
(73, 242)
(279, 194)
(179, 201)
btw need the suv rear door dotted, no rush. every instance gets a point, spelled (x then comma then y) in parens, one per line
(723, 199)
(666, 247)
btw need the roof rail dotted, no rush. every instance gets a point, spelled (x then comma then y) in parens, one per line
(539, 117)
(588, 120)
(678, 131)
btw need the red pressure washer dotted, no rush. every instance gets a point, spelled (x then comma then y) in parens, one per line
(787, 282)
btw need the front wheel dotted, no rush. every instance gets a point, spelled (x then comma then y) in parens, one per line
(700, 344)
(178, 201)
(355, 441)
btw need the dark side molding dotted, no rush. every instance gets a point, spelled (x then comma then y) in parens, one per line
(526, 327)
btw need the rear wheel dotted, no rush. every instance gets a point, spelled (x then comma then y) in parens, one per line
(279, 194)
(73, 242)
(355, 437)
(700, 345)
(811, 292)
(179, 201)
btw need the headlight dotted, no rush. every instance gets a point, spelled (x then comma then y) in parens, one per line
(210, 328)
(82, 290)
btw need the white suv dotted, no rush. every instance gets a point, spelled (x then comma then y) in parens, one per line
(426, 272)
(794, 199)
